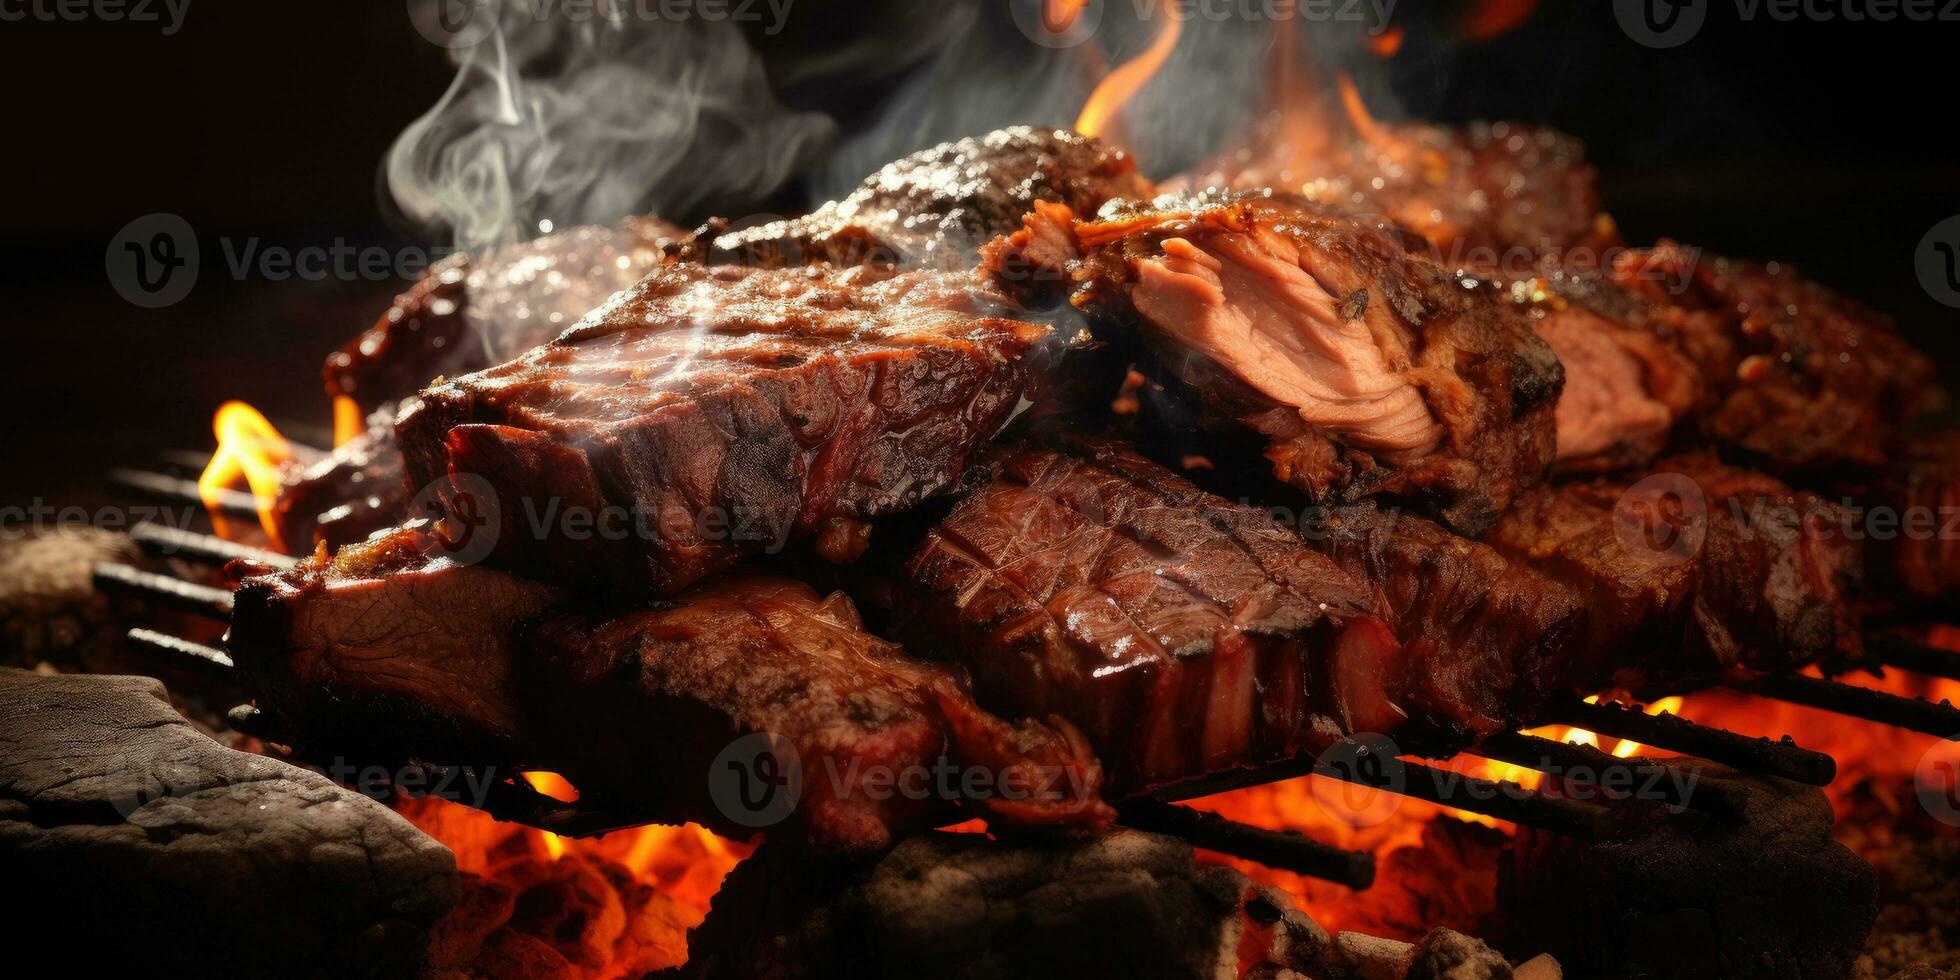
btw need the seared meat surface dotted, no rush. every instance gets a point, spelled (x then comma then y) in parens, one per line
(1801, 379)
(713, 412)
(642, 704)
(1181, 632)
(469, 312)
(1912, 525)
(346, 495)
(1695, 571)
(935, 208)
(388, 649)
(1367, 369)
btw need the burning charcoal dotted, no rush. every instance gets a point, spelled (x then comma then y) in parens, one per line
(960, 905)
(197, 859)
(1759, 892)
(1442, 954)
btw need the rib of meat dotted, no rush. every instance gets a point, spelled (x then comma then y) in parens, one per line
(1485, 640)
(1182, 633)
(394, 650)
(712, 412)
(390, 648)
(646, 703)
(467, 313)
(348, 494)
(1800, 378)
(1487, 194)
(1696, 571)
(935, 208)
(1368, 369)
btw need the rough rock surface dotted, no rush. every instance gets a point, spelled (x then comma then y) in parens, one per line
(139, 843)
(49, 610)
(958, 905)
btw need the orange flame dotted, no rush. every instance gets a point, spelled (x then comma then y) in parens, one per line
(1118, 86)
(347, 421)
(249, 448)
(1388, 42)
(1057, 16)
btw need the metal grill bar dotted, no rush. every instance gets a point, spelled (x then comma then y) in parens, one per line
(1564, 758)
(181, 652)
(1911, 714)
(231, 503)
(160, 541)
(1905, 654)
(1783, 758)
(1286, 850)
(200, 600)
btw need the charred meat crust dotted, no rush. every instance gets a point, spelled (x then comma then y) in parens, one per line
(710, 413)
(1368, 369)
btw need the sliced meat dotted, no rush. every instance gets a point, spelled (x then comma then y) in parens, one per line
(935, 208)
(1797, 377)
(1486, 194)
(1485, 639)
(1368, 369)
(1692, 572)
(1912, 523)
(389, 649)
(1182, 633)
(713, 412)
(348, 494)
(468, 313)
(646, 705)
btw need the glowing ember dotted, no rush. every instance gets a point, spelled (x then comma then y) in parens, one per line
(1118, 86)
(1057, 16)
(251, 449)
(1388, 42)
(1490, 18)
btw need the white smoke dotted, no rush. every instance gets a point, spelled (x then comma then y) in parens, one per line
(572, 120)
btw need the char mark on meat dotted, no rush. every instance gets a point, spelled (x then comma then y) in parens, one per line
(644, 704)
(1695, 572)
(713, 412)
(348, 494)
(469, 312)
(1368, 369)
(935, 208)
(1181, 632)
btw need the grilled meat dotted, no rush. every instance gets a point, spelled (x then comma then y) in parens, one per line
(1912, 522)
(348, 494)
(1696, 571)
(1801, 379)
(1367, 369)
(713, 412)
(1181, 632)
(643, 704)
(392, 649)
(935, 208)
(467, 313)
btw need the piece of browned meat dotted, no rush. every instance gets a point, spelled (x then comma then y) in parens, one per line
(1911, 523)
(394, 650)
(346, 495)
(1799, 378)
(714, 412)
(1181, 632)
(1491, 195)
(389, 649)
(1692, 572)
(1485, 640)
(645, 705)
(1367, 369)
(469, 312)
(935, 208)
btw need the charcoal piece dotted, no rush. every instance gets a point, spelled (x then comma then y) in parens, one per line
(145, 845)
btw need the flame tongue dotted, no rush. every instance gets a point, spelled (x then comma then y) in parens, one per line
(249, 448)
(1118, 86)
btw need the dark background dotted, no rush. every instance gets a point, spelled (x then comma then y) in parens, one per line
(1826, 144)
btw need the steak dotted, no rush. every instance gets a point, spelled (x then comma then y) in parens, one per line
(1912, 522)
(713, 412)
(467, 313)
(1694, 572)
(1366, 368)
(648, 704)
(1181, 632)
(394, 650)
(346, 495)
(1799, 378)
(935, 208)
